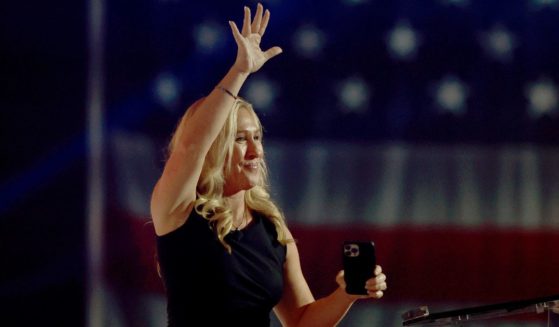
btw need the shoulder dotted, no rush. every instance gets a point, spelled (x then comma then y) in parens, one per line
(173, 221)
(270, 225)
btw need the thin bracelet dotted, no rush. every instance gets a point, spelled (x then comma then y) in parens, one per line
(227, 91)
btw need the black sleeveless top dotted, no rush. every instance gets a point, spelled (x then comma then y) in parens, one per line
(207, 286)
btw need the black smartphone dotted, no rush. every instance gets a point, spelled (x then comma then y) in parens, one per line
(359, 261)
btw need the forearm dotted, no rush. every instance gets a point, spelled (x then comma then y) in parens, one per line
(233, 80)
(327, 311)
(207, 121)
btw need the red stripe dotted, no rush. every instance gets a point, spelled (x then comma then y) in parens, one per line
(130, 262)
(423, 265)
(441, 264)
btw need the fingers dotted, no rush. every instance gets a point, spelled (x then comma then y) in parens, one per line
(264, 22)
(259, 23)
(255, 28)
(236, 34)
(376, 295)
(376, 286)
(246, 23)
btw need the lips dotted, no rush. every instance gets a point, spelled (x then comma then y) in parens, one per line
(250, 165)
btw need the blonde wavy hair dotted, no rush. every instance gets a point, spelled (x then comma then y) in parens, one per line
(210, 202)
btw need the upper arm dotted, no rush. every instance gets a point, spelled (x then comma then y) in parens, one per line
(175, 190)
(296, 292)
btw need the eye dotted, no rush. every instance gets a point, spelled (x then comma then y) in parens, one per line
(240, 138)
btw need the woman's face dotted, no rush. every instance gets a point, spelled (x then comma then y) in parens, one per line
(247, 153)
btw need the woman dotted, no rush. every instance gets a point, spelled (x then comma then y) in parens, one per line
(225, 252)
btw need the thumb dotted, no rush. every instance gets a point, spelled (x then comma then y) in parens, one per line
(272, 52)
(340, 279)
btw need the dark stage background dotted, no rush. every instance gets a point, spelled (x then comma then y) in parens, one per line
(429, 126)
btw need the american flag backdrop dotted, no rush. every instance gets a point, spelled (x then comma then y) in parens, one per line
(429, 127)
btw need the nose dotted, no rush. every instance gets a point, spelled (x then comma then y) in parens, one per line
(254, 149)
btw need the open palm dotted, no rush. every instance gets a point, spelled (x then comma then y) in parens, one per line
(249, 55)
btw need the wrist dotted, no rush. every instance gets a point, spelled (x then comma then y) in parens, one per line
(232, 82)
(241, 73)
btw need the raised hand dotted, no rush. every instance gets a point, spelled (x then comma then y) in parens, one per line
(249, 55)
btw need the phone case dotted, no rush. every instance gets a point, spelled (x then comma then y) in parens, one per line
(359, 262)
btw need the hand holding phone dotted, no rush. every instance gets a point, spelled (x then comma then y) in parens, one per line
(359, 261)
